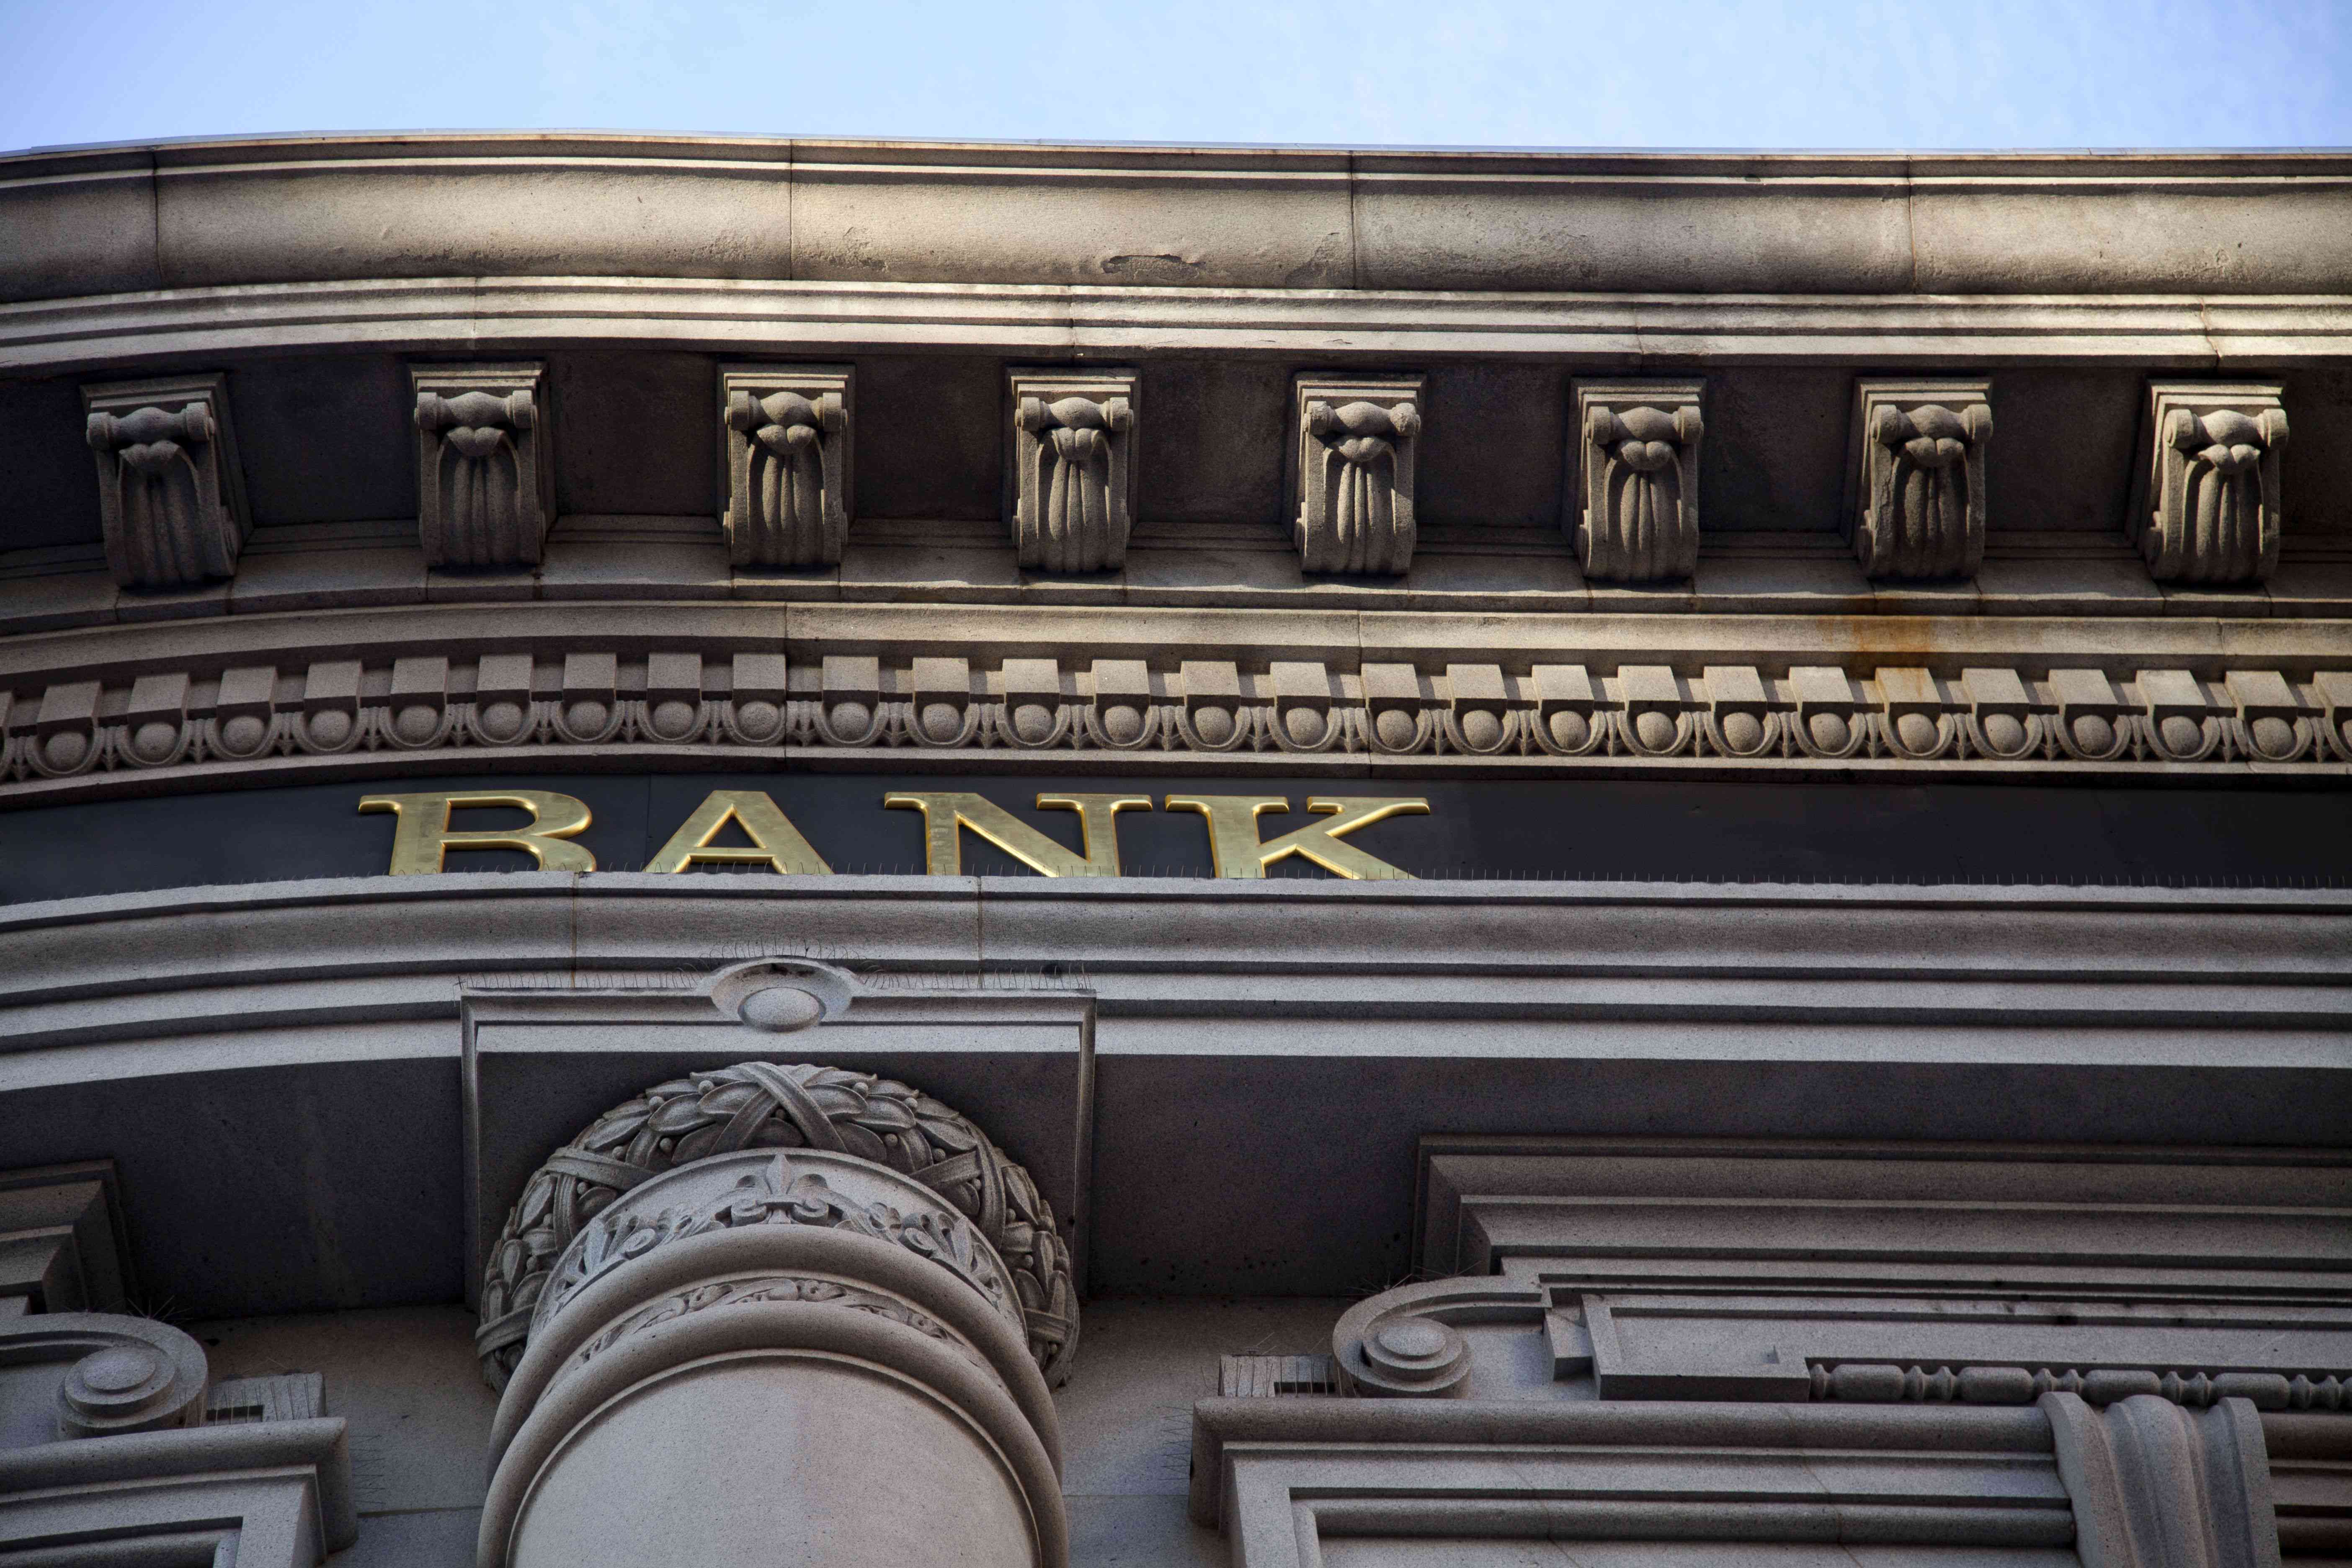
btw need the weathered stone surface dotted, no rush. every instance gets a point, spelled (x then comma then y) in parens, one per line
(1071, 467)
(759, 1105)
(1915, 477)
(1352, 472)
(484, 464)
(1633, 512)
(810, 1294)
(788, 450)
(171, 490)
(2206, 504)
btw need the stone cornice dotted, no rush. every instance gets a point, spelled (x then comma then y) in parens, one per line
(2207, 330)
(111, 219)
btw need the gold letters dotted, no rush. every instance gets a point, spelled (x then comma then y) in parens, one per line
(421, 836)
(944, 812)
(1234, 842)
(421, 833)
(778, 845)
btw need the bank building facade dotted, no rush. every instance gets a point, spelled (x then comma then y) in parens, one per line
(729, 852)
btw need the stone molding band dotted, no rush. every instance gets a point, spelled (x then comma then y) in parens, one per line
(383, 714)
(2190, 332)
(756, 1106)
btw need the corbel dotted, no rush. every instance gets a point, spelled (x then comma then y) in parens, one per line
(1633, 480)
(2205, 500)
(1351, 470)
(1915, 483)
(1070, 477)
(786, 436)
(170, 492)
(485, 463)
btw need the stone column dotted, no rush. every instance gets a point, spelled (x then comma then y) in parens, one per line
(777, 1356)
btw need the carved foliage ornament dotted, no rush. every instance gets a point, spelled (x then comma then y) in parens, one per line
(483, 482)
(809, 1190)
(2207, 508)
(759, 1105)
(1072, 468)
(816, 1291)
(171, 495)
(1356, 443)
(1917, 481)
(786, 435)
(1638, 455)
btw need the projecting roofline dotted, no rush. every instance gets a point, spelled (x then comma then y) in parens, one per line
(79, 222)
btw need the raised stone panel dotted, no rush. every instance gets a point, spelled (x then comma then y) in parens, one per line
(485, 466)
(171, 491)
(786, 452)
(1871, 1274)
(2205, 502)
(274, 1494)
(1294, 1482)
(1633, 475)
(1352, 472)
(62, 1243)
(1915, 487)
(1071, 473)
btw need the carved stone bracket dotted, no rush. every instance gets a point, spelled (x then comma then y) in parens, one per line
(759, 1105)
(2155, 1486)
(1071, 482)
(121, 1373)
(2205, 506)
(169, 490)
(1916, 477)
(1634, 479)
(485, 475)
(1352, 470)
(785, 456)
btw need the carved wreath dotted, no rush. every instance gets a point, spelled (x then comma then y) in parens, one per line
(761, 1105)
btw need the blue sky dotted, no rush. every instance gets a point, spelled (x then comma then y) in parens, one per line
(1692, 73)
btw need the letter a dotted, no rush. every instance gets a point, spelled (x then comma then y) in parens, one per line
(776, 843)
